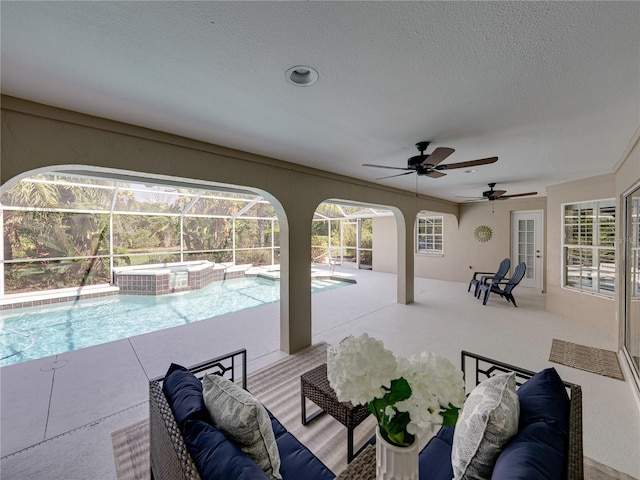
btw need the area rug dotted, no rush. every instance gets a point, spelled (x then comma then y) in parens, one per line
(594, 470)
(131, 451)
(277, 386)
(590, 359)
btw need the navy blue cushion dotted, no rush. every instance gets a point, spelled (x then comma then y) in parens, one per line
(184, 394)
(297, 462)
(278, 428)
(446, 434)
(537, 451)
(435, 457)
(544, 398)
(215, 456)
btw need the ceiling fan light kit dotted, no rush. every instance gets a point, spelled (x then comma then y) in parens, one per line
(430, 164)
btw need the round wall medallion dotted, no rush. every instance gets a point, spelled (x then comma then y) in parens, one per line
(483, 233)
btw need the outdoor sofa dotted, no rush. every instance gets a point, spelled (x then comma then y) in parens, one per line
(184, 444)
(548, 443)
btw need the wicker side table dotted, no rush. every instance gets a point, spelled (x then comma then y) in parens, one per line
(363, 467)
(314, 385)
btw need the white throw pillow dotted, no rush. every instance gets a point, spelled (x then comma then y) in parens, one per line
(244, 420)
(489, 418)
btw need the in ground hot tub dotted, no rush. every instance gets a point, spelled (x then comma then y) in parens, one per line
(160, 279)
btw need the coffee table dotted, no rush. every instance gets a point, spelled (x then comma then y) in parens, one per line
(314, 385)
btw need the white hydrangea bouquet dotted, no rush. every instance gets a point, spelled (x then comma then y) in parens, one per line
(405, 395)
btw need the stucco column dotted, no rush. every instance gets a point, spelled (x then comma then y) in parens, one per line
(295, 280)
(405, 257)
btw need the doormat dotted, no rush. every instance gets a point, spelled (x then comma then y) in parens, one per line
(589, 359)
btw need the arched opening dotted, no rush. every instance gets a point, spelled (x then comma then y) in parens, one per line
(342, 233)
(64, 230)
(342, 248)
(108, 255)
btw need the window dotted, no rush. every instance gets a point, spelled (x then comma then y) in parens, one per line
(589, 246)
(429, 235)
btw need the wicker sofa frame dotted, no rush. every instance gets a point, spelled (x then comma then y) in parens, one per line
(170, 459)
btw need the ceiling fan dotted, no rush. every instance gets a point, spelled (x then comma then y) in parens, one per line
(429, 164)
(492, 194)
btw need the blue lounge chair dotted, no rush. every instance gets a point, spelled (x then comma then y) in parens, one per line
(480, 277)
(509, 285)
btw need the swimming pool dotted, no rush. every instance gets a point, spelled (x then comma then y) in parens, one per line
(38, 332)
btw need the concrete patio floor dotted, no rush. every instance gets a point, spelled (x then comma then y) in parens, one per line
(57, 413)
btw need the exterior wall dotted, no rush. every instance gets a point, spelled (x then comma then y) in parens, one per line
(385, 248)
(443, 267)
(603, 313)
(462, 253)
(597, 311)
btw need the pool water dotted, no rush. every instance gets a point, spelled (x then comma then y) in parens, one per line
(38, 332)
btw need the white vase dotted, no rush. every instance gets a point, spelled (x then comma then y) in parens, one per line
(395, 463)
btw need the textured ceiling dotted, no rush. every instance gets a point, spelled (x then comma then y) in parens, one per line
(551, 88)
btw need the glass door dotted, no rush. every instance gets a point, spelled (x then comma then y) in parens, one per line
(631, 329)
(526, 242)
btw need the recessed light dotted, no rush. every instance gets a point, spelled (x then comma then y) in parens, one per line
(301, 76)
(472, 170)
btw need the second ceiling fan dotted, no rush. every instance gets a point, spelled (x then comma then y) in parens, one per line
(430, 164)
(492, 194)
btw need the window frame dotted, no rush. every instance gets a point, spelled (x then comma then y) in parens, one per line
(429, 235)
(631, 281)
(589, 230)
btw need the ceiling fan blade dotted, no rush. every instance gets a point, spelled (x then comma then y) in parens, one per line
(498, 193)
(399, 174)
(518, 195)
(438, 155)
(435, 174)
(385, 166)
(470, 163)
